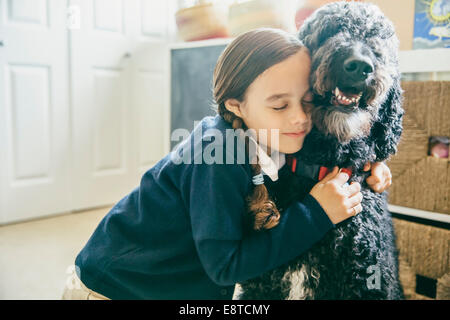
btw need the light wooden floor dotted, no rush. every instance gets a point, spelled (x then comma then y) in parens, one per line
(35, 255)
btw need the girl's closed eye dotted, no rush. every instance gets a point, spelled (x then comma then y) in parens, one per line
(302, 102)
(280, 108)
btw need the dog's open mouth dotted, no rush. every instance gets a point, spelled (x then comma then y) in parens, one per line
(346, 97)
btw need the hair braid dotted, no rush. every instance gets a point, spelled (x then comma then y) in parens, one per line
(263, 210)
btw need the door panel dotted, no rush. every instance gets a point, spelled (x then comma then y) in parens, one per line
(118, 98)
(34, 137)
(101, 116)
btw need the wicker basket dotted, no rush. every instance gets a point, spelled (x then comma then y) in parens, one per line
(421, 181)
(201, 22)
(423, 251)
(248, 15)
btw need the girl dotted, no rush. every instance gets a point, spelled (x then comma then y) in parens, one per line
(181, 233)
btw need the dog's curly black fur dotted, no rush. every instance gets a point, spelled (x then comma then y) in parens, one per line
(358, 258)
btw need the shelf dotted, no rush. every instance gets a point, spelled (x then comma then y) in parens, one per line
(423, 60)
(441, 217)
(202, 43)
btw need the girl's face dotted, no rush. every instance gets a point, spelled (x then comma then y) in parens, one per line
(274, 101)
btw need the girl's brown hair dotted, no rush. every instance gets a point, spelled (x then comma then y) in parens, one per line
(242, 61)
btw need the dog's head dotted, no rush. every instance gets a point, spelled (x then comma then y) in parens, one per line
(354, 54)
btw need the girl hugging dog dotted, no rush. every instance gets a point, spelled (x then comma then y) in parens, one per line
(181, 234)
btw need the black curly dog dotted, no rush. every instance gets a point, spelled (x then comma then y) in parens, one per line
(357, 116)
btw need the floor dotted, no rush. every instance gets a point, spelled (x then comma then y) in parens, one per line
(36, 256)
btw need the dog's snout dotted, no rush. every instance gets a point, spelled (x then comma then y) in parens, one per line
(358, 67)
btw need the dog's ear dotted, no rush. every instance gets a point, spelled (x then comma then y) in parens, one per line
(305, 35)
(388, 128)
(322, 24)
(316, 29)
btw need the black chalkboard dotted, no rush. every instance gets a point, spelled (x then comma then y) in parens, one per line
(191, 85)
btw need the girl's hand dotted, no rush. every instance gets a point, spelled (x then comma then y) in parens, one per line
(380, 178)
(339, 201)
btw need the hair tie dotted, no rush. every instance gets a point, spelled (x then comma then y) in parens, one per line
(269, 217)
(258, 179)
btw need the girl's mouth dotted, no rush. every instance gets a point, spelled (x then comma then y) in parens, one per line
(296, 134)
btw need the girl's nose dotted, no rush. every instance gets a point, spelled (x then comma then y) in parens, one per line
(298, 115)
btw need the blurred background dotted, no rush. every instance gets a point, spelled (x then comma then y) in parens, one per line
(91, 91)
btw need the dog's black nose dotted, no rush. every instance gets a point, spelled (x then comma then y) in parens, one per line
(358, 67)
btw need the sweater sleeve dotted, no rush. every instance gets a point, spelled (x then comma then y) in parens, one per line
(228, 254)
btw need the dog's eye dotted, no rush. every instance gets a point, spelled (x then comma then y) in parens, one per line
(307, 104)
(307, 101)
(309, 98)
(377, 54)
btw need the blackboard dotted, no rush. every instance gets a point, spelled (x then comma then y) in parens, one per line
(191, 85)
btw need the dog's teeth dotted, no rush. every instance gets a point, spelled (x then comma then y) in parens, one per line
(343, 99)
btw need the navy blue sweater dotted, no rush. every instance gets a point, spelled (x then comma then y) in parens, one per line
(180, 234)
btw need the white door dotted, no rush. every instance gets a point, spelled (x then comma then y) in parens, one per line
(150, 84)
(150, 105)
(34, 141)
(115, 86)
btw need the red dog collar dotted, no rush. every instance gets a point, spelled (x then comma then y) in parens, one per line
(323, 171)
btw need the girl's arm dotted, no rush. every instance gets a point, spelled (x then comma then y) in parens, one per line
(229, 254)
(230, 261)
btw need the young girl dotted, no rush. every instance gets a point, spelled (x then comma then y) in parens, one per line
(181, 234)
